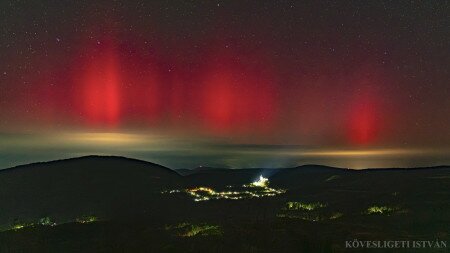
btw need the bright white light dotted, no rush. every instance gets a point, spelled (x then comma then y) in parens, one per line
(261, 182)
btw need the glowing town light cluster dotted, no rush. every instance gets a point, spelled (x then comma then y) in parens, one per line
(187, 229)
(20, 226)
(47, 221)
(380, 210)
(86, 219)
(257, 189)
(261, 182)
(307, 211)
(303, 206)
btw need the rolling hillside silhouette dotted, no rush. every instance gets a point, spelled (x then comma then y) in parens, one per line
(91, 184)
(144, 207)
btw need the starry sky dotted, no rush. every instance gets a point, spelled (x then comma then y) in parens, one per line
(226, 83)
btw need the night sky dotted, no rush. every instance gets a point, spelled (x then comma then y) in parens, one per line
(226, 83)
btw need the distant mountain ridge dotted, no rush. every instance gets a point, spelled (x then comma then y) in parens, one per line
(201, 168)
(110, 185)
(134, 195)
(90, 158)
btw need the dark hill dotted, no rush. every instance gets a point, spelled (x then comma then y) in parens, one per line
(321, 208)
(116, 186)
(85, 185)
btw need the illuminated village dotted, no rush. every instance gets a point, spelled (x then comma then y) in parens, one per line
(257, 189)
(48, 222)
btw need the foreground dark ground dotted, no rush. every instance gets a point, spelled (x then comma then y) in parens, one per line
(112, 204)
